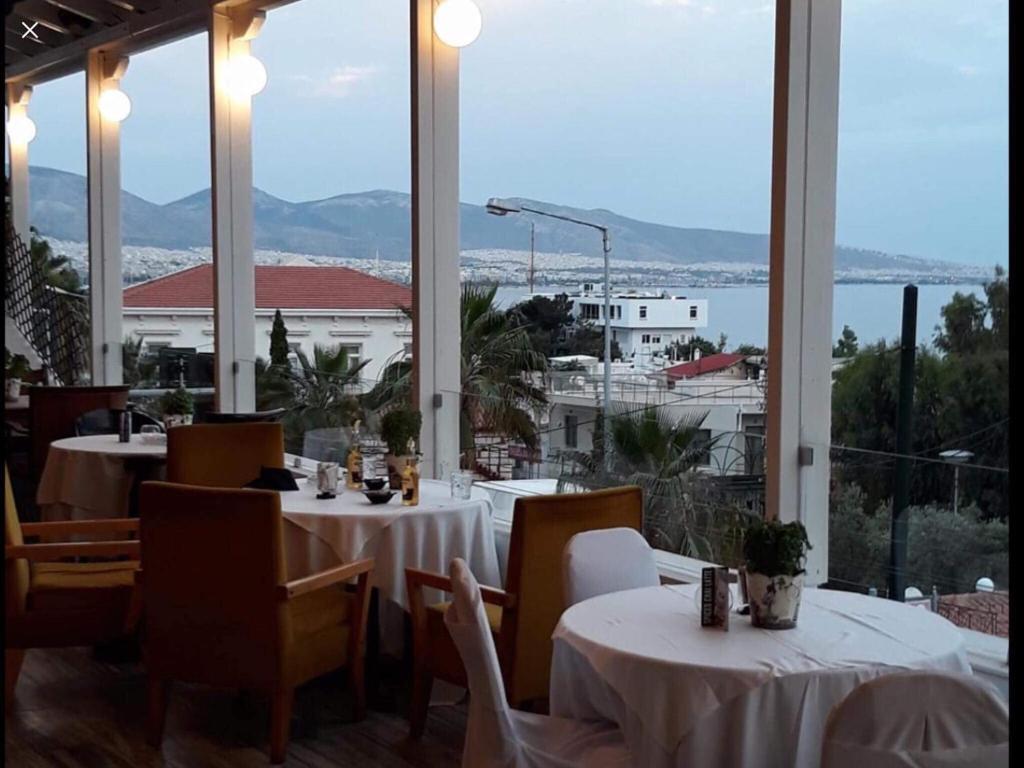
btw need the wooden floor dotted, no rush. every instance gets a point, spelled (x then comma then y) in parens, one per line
(74, 711)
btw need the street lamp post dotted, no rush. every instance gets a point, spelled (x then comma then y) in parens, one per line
(956, 458)
(499, 207)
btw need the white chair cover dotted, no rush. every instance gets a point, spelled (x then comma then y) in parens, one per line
(607, 560)
(498, 736)
(919, 719)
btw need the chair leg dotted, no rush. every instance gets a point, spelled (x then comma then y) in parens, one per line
(13, 658)
(422, 684)
(280, 723)
(156, 694)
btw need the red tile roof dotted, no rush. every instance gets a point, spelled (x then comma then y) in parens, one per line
(277, 287)
(709, 364)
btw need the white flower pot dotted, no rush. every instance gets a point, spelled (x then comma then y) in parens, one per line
(774, 600)
(13, 390)
(176, 420)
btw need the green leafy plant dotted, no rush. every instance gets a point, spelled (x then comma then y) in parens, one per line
(177, 402)
(16, 366)
(398, 426)
(773, 548)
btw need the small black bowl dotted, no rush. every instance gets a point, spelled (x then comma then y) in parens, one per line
(379, 497)
(375, 483)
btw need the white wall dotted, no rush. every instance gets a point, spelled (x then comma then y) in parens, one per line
(380, 334)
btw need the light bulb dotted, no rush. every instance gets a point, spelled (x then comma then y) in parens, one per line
(457, 22)
(246, 75)
(21, 129)
(114, 105)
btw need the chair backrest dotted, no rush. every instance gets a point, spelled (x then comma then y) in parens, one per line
(107, 421)
(490, 733)
(609, 560)
(52, 412)
(541, 527)
(214, 417)
(16, 572)
(222, 455)
(212, 559)
(955, 718)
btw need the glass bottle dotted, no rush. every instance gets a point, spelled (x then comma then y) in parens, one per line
(410, 480)
(354, 463)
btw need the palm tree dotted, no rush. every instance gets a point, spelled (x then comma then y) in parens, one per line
(319, 393)
(498, 390)
(660, 454)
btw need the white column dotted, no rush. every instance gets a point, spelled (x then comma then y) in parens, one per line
(17, 152)
(103, 147)
(435, 241)
(800, 293)
(231, 178)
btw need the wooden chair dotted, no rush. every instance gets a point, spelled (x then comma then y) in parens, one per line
(224, 615)
(52, 412)
(223, 455)
(524, 614)
(51, 604)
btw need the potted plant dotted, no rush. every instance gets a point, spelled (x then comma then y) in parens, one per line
(774, 555)
(16, 368)
(399, 427)
(177, 407)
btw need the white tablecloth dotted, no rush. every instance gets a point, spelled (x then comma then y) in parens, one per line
(426, 536)
(688, 696)
(91, 477)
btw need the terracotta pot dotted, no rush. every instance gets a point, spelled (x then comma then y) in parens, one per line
(395, 465)
(176, 420)
(774, 600)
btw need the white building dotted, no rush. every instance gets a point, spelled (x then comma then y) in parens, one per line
(323, 305)
(643, 323)
(726, 386)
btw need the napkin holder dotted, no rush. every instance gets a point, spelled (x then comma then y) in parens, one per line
(714, 598)
(326, 479)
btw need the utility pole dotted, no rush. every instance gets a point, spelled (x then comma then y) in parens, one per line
(904, 440)
(530, 273)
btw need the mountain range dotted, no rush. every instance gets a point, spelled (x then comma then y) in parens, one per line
(365, 224)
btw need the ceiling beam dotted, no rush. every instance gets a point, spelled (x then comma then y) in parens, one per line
(94, 10)
(50, 16)
(14, 41)
(42, 37)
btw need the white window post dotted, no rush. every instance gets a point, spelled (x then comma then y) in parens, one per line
(801, 277)
(17, 151)
(231, 178)
(103, 147)
(435, 241)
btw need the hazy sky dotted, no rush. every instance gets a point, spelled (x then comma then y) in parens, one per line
(657, 109)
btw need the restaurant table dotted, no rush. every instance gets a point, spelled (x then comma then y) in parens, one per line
(689, 696)
(92, 477)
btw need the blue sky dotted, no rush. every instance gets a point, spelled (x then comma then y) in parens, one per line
(657, 109)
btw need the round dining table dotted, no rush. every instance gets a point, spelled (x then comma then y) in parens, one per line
(92, 477)
(684, 695)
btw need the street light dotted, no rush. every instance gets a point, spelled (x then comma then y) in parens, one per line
(499, 207)
(956, 457)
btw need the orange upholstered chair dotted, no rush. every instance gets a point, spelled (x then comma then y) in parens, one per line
(218, 610)
(223, 455)
(52, 604)
(524, 614)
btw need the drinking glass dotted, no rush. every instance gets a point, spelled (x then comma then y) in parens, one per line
(462, 484)
(149, 429)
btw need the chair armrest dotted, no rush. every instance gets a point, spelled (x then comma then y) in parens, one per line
(323, 579)
(49, 552)
(416, 579)
(71, 527)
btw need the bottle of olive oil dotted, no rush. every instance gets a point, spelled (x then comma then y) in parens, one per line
(410, 479)
(354, 462)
